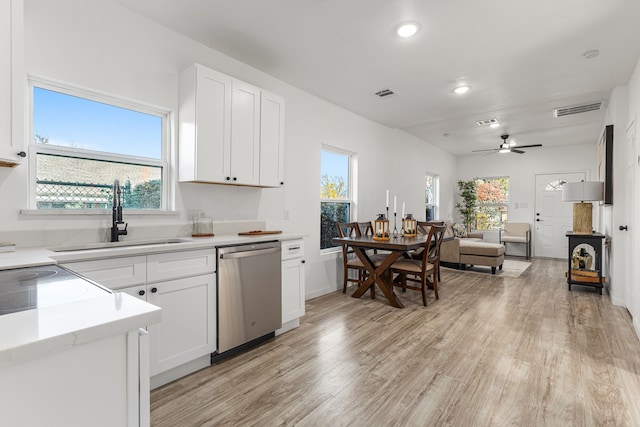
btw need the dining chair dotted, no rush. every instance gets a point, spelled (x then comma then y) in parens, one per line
(419, 270)
(350, 229)
(423, 228)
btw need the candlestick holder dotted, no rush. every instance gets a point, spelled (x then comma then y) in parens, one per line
(395, 229)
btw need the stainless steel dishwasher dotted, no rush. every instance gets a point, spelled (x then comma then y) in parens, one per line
(249, 293)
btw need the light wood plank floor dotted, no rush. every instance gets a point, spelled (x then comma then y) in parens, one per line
(491, 352)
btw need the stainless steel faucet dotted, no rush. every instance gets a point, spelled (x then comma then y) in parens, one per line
(116, 220)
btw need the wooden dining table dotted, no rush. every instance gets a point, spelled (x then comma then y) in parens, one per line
(381, 274)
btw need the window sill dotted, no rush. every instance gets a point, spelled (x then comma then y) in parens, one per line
(96, 212)
(331, 251)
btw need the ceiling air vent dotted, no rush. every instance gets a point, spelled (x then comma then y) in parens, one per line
(577, 109)
(486, 122)
(384, 92)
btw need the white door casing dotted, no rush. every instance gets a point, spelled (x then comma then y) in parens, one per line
(553, 217)
(627, 253)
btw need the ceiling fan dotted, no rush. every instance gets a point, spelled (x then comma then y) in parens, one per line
(505, 147)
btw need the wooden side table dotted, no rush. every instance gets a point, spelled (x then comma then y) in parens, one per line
(584, 276)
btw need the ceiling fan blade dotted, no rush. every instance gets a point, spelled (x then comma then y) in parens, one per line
(490, 149)
(529, 146)
(513, 150)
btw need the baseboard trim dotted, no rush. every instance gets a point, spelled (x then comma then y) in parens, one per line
(180, 371)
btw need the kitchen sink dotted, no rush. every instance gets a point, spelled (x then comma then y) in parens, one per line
(124, 244)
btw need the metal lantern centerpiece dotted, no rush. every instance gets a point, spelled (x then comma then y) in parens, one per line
(381, 228)
(409, 226)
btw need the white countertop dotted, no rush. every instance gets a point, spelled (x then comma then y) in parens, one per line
(34, 333)
(30, 257)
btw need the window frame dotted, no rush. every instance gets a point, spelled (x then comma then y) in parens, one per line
(352, 191)
(436, 196)
(492, 204)
(166, 116)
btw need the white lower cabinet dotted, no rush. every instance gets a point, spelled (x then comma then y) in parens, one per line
(188, 327)
(183, 284)
(293, 288)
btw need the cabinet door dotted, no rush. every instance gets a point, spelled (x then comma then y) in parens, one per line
(245, 134)
(12, 82)
(113, 273)
(292, 289)
(205, 125)
(271, 140)
(187, 330)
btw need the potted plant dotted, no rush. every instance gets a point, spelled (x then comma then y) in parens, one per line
(467, 206)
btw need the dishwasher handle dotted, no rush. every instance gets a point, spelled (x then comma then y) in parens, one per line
(245, 254)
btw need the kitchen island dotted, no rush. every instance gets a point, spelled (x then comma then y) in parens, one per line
(69, 362)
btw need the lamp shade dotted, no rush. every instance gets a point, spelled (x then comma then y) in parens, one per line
(583, 191)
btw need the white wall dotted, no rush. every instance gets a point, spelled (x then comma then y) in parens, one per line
(614, 215)
(100, 45)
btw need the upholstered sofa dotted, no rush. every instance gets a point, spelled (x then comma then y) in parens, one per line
(470, 250)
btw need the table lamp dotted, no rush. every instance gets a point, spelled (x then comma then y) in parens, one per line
(581, 192)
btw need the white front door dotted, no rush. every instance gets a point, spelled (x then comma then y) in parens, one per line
(553, 217)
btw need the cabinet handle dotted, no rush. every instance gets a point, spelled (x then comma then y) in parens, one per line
(22, 154)
(235, 178)
(623, 228)
(281, 182)
(141, 292)
(303, 261)
(228, 178)
(294, 248)
(154, 290)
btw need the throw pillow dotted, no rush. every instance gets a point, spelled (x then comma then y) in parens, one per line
(459, 230)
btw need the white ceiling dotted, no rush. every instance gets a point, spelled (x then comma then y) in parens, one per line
(521, 58)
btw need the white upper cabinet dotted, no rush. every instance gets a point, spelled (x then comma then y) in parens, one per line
(231, 132)
(245, 134)
(12, 83)
(205, 125)
(271, 140)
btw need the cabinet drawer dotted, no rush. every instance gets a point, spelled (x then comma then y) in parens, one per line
(113, 273)
(292, 249)
(180, 264)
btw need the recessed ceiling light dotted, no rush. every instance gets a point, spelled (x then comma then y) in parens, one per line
(408, 29)
(462, 89)
(494, 125)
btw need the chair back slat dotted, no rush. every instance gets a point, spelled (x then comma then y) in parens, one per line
(423, 226)
(434, 250)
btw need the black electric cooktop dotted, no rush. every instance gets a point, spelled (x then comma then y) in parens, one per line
(38, 287)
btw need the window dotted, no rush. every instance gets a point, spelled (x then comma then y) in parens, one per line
(492, 197)
(431, 188)
(335, 194)
(555, 185)
(82, 142)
